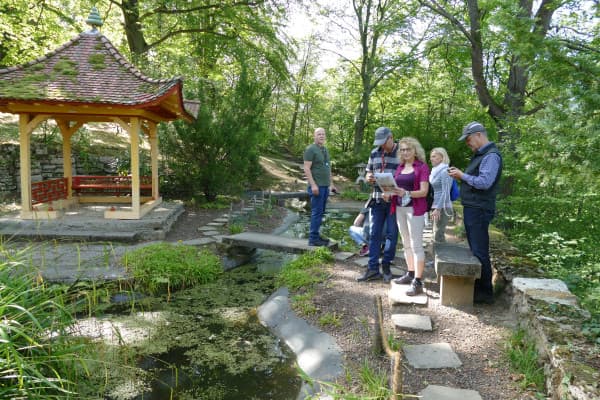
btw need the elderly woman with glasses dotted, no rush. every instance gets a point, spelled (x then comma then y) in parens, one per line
(412, 178)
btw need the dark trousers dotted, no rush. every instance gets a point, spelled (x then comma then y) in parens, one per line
(477, 222)
(380, 216)
(317, 210)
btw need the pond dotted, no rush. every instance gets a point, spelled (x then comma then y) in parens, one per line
(207, 342)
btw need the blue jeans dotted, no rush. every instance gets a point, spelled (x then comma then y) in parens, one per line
(380, 216)
(477, 222)
(317, 210)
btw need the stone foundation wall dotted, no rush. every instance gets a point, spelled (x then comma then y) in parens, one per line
(47, 163)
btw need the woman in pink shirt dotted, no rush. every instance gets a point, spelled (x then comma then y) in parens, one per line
(412, 178)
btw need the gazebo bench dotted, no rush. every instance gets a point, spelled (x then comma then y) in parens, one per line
(107, 185)
(457, 269)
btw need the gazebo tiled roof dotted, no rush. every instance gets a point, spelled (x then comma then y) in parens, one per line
(88, 70)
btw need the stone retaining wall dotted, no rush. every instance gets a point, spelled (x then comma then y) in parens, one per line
(552, 317)
(47, 163)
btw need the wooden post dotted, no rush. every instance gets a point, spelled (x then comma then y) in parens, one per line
(25, 164)
(134, 136)
(153, 136)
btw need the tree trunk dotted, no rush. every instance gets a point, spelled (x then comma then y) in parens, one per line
(135, 37)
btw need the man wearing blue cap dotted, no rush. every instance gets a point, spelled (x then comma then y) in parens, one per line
(384, 158)
(478, 189)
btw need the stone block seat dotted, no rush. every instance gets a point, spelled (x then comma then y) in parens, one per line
(457, 269)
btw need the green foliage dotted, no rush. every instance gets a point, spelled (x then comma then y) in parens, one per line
(523, 359)
(236, 227)
(372, 385)
(39, 358)
(351, 194)
(306, 270)
(165, 266)
(218, 153)
(332, 319)
(552, 207)
(303, 304)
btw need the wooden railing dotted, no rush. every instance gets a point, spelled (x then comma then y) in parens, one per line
(47, 191)
(98, 185)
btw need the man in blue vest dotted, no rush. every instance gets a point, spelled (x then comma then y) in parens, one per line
(478, 189)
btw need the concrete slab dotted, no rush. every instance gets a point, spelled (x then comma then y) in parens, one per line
(210, 233)
(87, 222)
(198, 242)
(397, 295)
(206, 228)
(272, 242)
(435, 392)
(343, 255)
(435, 355)
(317, 353)
(412, 322)
(362, 261)
(213, 224)
(548, 290)
(457, 268)
(221, 220)
(456, 260)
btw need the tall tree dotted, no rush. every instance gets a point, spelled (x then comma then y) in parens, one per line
(512, 45)
(380, 30)
(150, 24)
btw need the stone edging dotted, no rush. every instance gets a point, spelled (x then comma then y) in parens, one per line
(552, 317)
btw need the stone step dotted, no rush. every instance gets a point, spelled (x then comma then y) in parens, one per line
(435, 392)
(412, 322)
(397, 295)
(434, 355)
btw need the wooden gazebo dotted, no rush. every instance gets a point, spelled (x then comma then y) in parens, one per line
(88, 80)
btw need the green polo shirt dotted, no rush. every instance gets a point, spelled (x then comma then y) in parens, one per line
(320, 167)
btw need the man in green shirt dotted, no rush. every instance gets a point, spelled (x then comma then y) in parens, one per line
(317, 168)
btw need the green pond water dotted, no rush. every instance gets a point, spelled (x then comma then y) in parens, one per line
(210, 344)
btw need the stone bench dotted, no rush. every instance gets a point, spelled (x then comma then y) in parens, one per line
(457, 269)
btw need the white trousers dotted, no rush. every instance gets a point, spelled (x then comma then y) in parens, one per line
(411, 231)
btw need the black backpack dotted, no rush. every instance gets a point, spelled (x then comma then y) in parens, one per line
(429, 198)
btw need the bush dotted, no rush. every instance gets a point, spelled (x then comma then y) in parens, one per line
(166, 266)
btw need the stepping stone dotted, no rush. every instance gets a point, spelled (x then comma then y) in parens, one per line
(343, 255)
(215, 224)
(412, 322)
(362, 261)
(206, 228)
(198, 242)
(210, 233)
(397, 294)
(435, 392)
(248, 209)
(435, 355)
(222, 219)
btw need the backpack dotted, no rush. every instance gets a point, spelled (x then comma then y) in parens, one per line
(454, 191)
(429, 198)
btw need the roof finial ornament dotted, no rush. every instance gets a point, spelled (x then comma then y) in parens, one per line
(94, 19)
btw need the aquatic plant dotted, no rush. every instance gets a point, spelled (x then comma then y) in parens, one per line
(164, 267)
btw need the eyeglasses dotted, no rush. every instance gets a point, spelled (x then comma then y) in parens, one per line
(405, 149)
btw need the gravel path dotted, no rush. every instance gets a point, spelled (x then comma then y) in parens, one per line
(476, 334)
